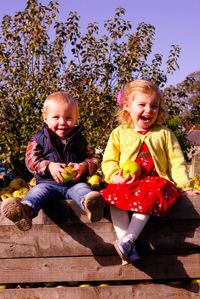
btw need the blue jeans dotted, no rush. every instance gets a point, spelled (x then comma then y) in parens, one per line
(42, 193)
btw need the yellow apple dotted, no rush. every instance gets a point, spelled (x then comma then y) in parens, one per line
(67, 177)
(32, 182)
(5, 195)
(85, 285)
(95, 181)
(6, 190)
(17, 183)
(130, 167)
(104, 285)
(20, 193)
(196, 280)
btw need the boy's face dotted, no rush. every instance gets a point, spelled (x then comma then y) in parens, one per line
(61, 118)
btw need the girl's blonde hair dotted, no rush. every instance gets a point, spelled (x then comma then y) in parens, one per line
(60, 97)
(145, 87)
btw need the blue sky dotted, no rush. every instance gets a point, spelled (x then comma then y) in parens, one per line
(176, 22)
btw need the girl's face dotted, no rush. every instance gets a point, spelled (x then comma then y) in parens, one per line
(143, 109)
(61, 118)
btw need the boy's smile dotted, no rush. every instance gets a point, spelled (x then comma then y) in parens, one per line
(61, 118)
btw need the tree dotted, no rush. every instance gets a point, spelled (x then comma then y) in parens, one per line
(90, 66)
(184, 108)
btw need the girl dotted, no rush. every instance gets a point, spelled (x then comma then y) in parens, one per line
(141, 137)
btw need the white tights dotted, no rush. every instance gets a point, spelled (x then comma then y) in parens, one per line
(125, 227)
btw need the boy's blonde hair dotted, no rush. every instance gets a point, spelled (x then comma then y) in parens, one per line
(60, 97)
(145, 87)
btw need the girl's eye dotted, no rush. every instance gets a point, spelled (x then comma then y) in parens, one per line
(154, 106)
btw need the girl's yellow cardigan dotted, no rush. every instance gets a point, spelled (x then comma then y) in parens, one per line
(124, 144)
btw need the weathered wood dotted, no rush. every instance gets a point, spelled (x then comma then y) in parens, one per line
(99, 268)
(140, 291)
(63, 212)
(82, 239)
(63, 246)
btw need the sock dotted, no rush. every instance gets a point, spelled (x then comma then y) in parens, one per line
(136, 225)
(120, 220)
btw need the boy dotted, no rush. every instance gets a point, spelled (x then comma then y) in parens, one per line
(58, 143)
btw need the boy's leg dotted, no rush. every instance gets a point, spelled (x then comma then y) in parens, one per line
(91, 202)
(22, 212)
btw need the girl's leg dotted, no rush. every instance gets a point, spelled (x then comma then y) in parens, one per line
(136, 225)
(126, 245)
(120, 220)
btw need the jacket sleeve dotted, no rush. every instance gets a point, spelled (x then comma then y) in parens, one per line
(111, 157)
(177, 164)
(91, 162)
(34, 159)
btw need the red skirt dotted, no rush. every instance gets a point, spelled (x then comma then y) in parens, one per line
(152, 195)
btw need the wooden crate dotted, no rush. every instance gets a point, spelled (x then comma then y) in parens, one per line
(65, 250)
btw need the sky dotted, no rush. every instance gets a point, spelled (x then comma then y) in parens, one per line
(177, 22)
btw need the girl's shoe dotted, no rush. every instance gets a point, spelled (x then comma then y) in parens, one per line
(17, 212)
(133, 256)
(127, 251)
(123, 248)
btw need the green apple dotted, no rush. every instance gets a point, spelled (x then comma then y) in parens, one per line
(130, 167)
(67, 177)
(95, 180)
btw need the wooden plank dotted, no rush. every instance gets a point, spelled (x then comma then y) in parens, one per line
(81, 239)
(144, 291)
(186, 208)
(98, 268)
(51, 240)
(62, 212)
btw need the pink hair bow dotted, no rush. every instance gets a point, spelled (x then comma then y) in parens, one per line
(119, 98)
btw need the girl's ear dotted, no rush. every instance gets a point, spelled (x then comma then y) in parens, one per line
(126, 106)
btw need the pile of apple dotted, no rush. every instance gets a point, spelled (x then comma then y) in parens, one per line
(196, 183)
(17, 188)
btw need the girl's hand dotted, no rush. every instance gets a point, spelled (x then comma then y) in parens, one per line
(191, 192)
(79, 168)
(119, 179)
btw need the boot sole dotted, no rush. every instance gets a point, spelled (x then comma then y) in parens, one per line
(13, 210)
(94, 206)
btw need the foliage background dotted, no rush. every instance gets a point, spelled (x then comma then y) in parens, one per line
(39, 55)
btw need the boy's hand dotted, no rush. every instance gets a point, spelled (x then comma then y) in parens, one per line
(119, 179)
(79, 168)
(55, 170)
